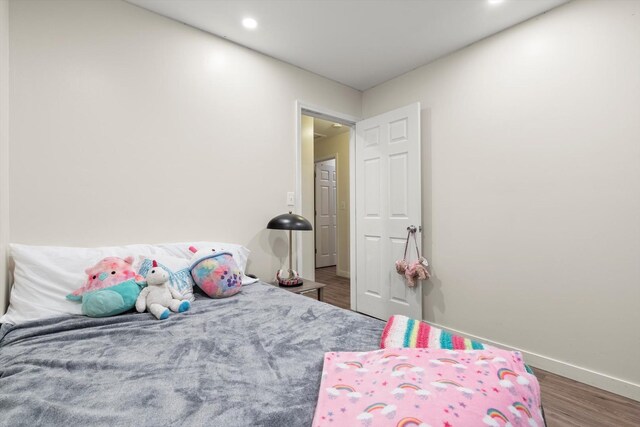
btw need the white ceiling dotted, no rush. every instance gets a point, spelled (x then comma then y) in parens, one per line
(360, 43)
(323, 129)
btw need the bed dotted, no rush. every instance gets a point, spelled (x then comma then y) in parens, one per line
(254, 359)
(262, 357)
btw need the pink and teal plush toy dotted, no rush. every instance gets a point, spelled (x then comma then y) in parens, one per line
(112, 287)
(216, 273)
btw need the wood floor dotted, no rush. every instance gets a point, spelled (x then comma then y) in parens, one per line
(337, 291)
(566, 402)
(570, 403)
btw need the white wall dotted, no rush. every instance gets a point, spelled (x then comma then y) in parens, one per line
(4, 150)
(114, 107)
(531, 189)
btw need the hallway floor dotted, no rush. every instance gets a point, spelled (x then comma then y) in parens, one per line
(337, 291)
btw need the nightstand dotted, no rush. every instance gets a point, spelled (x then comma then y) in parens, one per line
(307, 286)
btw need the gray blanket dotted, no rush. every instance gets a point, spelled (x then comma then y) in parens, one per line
(254, 359)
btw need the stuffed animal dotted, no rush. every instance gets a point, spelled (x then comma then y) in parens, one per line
(108, 272)
(158, 297)
(415, 271)
(216, 273)
(112, 287)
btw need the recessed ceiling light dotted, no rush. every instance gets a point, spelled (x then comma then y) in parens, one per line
(249, 23)
(336, 125)
(495, 1)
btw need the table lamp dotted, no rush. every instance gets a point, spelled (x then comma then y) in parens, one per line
(289, 222)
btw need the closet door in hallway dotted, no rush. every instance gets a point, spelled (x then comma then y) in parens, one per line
(326, 213)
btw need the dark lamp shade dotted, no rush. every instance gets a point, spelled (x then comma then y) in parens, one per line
(289, 221)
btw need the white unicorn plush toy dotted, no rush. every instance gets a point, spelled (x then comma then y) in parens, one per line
(158, 297)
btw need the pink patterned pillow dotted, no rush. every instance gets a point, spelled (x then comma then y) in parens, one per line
(427, 387)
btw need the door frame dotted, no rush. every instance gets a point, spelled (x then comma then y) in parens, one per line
(304, 108)
(334, 157)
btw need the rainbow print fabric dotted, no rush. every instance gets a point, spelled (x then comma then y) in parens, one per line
(401, 331)
(425, 387)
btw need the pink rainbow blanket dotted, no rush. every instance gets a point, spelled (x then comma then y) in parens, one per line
(427, 387)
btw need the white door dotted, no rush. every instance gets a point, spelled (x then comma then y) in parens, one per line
(388, 200)
(326, 215)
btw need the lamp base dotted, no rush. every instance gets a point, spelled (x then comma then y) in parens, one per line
(288, 279)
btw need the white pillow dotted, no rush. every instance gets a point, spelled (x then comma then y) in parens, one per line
(44, 275)
(239, 252)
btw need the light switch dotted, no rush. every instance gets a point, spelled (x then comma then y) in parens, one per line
(291, 198)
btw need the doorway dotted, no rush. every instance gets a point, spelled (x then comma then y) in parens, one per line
(325, 200)
(385, 202)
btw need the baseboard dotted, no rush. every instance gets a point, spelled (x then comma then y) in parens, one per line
(577, 373)
(343, 273)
